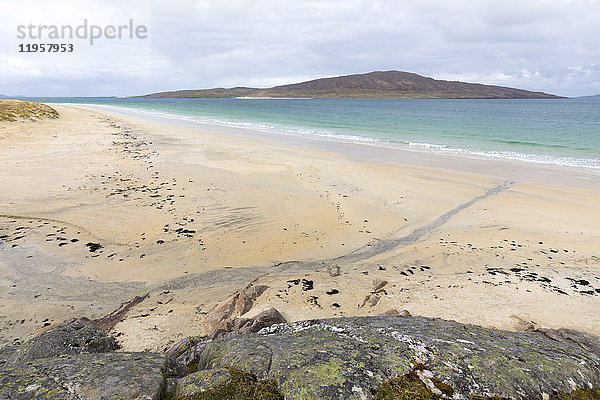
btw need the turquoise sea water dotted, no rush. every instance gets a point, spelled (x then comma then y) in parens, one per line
(561, 132)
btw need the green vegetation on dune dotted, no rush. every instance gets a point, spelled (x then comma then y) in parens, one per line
(17, 110)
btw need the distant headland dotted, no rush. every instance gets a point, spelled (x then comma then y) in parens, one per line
(595, 96)
(378, 84)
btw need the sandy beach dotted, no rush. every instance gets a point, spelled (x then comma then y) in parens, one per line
(98, 206)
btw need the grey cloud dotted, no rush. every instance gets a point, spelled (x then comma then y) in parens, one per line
(548, 45)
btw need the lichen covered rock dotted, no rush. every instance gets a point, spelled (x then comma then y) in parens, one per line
(346, 358)
(246, 353)
(202, 381)
(226, 384)
(573, 337)
(75, 337)
(86, 376)
(350, 357)
(5, 353)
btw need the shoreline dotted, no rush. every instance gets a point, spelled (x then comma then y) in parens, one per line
(381, 152)
(193, 215)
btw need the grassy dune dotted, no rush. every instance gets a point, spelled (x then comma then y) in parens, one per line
(17, 110)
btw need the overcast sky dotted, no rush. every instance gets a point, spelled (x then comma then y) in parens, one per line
(545, 45)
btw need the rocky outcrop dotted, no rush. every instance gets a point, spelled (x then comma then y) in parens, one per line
(228, 316)
(86, 376)
(345, 358)
(76, 361)
(350, 357)
(263, 320)
(224, 314)
(108, 321)
(75, 337)
(183, 354)
(5, 353)
(573, 337)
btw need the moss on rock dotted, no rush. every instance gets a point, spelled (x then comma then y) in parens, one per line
(444, 388)
(241, 386)
(580, 394)
(410, 387)
(350, 357)
(405, 387)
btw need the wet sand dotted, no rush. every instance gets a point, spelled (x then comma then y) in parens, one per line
(97, 207)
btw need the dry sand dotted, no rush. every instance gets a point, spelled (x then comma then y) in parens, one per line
(96, 207)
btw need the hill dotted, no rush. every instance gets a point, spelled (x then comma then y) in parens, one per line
(595, 96)
(378, 84)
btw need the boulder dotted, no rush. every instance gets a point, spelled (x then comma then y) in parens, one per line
(263, 320)
(345, 358)
(220, 317)
(247, 297)
(217, 334)
(185, 354)
(394, 312)
(249, 355)
(75, 337)
(240, 303)
(180, 355)
(86, 376)
(350, 357)
(251, 325)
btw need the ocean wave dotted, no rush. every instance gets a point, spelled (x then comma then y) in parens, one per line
(590, 164)
(263, 127)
